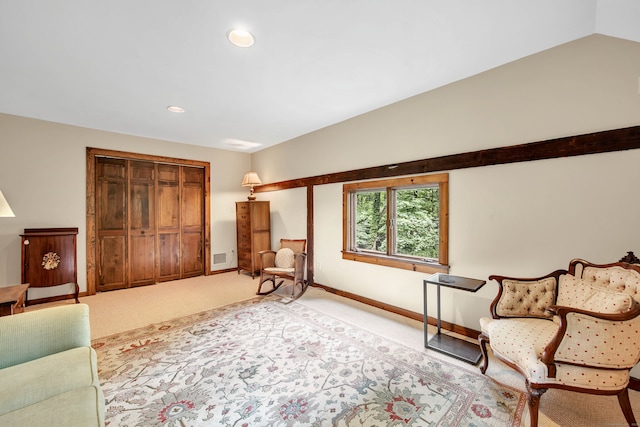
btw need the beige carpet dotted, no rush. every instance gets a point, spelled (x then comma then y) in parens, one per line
(123, 310)
(118, 311)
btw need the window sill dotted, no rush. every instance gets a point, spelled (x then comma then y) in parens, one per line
(402, 263)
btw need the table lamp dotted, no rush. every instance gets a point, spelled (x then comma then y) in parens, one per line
(250, 179)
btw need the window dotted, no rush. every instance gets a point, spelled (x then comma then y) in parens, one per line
(400, 223)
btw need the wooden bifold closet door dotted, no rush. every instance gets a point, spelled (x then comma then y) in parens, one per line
(149, 222)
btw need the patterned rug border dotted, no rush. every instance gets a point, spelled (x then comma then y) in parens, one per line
(292, 308)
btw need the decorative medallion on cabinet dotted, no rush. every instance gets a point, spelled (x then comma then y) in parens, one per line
(49, 258)
(253, 225)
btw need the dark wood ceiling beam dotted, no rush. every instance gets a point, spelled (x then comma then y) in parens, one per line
(593, 143)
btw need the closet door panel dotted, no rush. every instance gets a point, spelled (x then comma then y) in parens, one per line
(142, 220)
(142, 207)
(168, 197)
(192, 221)
(192, 196)
(169, 259)
(191, 254)
(142, 260)
(111, 224)
(111, 196)
(112, 263)
(168, 215)
(192, 212)
(168, 207)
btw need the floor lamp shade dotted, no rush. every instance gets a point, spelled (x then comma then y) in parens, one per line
(5, 209)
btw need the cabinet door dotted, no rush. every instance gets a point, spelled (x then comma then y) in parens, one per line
(111, 224)
(142, 220)
(63, 247)
(261, 225)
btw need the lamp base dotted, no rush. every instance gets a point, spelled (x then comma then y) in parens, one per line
(252, 197)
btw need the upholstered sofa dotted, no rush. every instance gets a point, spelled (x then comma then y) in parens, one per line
(48, 370)
(575, 329)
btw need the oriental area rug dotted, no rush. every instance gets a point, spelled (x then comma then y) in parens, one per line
(264, 363)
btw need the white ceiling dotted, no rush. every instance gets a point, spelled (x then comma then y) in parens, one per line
(116, 65)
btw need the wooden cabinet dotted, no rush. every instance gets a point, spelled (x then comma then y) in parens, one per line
(49, 257)
(253, 226)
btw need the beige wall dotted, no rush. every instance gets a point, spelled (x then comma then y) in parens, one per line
(523, 219)
(584, 86)
(43, 176)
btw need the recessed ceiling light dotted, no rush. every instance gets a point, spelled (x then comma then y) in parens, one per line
(175, 109)
(241, 38)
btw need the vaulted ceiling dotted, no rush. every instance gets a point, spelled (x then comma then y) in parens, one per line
(117, 65)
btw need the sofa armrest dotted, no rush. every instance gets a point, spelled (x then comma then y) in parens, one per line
(35, 334)
(588, 338)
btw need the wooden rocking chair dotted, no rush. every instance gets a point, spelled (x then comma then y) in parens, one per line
(288, 263)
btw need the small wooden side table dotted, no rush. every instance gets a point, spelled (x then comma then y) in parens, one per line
(12, 299)
(447, 344)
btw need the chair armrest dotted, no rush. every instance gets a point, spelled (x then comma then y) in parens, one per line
(299, 259)
(525, 297)
(267, 259)
(35, 334)
(299, 265)
(585, 337)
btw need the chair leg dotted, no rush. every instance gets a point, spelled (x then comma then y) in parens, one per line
(483, 340)
(533, 399)
(625, 405)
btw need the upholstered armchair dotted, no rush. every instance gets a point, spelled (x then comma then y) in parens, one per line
(287, 263)
(576, 330)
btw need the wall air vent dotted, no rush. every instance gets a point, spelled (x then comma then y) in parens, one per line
(220, 258)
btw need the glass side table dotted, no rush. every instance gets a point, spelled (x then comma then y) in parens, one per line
(447, 344)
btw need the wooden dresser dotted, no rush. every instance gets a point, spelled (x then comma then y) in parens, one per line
(253, 225)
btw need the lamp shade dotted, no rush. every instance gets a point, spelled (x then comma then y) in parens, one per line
(5, 209)
(251, 178)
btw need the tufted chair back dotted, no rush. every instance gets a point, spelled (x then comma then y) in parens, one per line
(613, 278)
